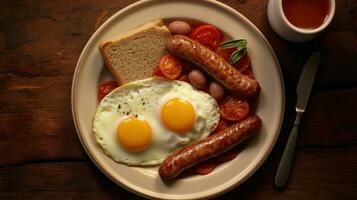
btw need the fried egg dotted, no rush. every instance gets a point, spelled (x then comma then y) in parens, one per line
(140, 123)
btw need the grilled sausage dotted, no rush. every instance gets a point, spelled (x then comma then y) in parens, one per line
(209, 147)
(214, 65)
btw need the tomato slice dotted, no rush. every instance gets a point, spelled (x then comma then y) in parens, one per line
(243, 64)
(157, 72)
(105, 88)
(234, 108)
(205, 167)
(208, 35)
(225, 53)
(170, 66)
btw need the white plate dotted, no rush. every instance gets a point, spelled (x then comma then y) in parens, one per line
(145, 181)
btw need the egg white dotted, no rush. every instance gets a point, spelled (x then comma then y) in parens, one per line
(144, 99)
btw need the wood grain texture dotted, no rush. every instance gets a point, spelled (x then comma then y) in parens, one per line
(82, 180)
(40, 42)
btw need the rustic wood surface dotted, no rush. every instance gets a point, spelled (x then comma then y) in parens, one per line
(42, 158)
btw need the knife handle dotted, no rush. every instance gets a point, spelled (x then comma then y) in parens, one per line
(283, 171)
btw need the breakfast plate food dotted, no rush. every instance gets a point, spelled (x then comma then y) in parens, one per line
(164, 91)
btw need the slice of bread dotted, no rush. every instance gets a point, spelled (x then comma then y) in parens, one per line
(134, 55)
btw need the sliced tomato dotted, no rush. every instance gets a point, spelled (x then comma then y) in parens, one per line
(222, 124)
(105, 88)
(243, 64)
(208, 35)
(157, 72)
(234, 108)
(170, 66)
(226, 156)
(225, 53)
(205, 167)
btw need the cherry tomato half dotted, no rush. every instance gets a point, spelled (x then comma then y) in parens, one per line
(234, 108)
(170, 66)
(208, 35)
(225, 53)
(243, 64)
(105, 88)
(157, 72)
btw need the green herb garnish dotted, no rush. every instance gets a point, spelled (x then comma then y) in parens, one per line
(241, 49)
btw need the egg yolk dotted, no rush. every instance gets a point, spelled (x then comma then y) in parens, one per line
(134, 134)
(178, 115)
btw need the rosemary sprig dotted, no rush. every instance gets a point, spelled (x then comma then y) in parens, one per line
(241, 49)
(232, 43)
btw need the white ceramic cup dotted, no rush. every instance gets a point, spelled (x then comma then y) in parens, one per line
(288, 31)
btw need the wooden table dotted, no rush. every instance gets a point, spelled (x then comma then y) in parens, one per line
(40, 42)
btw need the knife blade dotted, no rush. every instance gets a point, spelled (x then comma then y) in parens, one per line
(306, 81)
(303, 91)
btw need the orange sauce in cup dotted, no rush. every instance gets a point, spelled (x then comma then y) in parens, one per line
(308, 14)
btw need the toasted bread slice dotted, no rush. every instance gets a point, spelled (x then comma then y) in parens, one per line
(134, 55)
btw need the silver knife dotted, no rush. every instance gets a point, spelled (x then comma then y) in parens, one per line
(303, 92)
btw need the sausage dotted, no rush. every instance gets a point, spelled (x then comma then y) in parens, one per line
(209, 147)
(214, 65)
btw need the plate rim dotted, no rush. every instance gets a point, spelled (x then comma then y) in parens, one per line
(141, 193)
